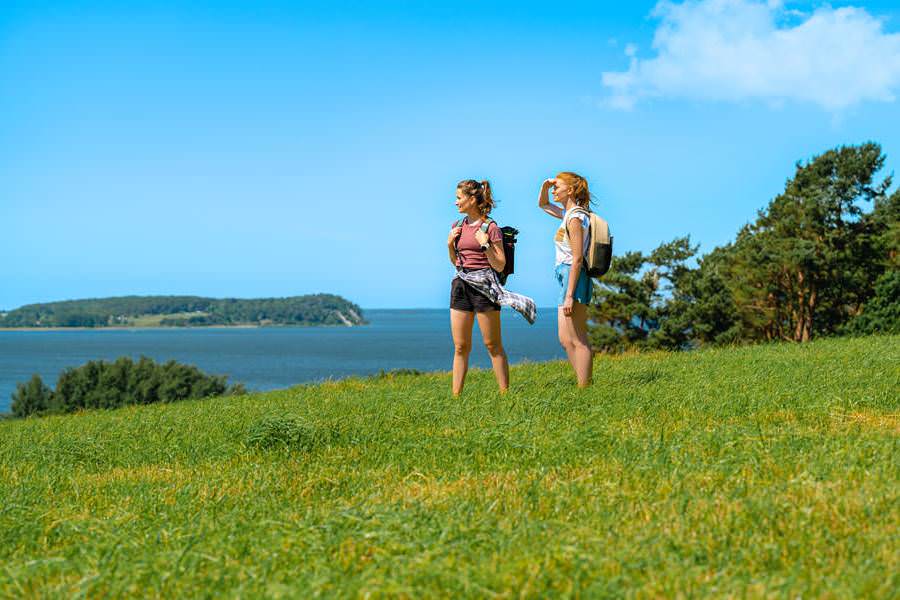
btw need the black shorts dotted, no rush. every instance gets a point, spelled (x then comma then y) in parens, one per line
(464, 297)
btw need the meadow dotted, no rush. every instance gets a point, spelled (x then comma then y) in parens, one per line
(763, 471)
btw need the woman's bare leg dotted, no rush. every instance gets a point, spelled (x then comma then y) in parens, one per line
(489, 324)
(573, 330)
(461, 328)
(566, 335)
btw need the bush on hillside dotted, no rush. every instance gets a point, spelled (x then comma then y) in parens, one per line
(101, 384)
(31, 397)
(390, 374)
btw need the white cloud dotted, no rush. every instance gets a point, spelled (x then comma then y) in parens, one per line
(734, 50)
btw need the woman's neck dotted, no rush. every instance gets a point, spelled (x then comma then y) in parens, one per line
(570, 204)
(473, 216)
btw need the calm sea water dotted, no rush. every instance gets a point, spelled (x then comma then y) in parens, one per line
(276, 357)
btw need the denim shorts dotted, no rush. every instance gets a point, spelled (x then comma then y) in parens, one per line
(583, 289)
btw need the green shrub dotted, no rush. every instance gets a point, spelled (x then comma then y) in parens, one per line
(31, 398)
(100, 384)
(382, 374)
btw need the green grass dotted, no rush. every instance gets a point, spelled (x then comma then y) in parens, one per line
(768, 471)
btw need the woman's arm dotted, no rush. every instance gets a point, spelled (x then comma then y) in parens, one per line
(451, 244)
(576, 242)
(544, 200)
(495, 255)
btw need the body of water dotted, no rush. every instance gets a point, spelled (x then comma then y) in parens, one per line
(276, 357)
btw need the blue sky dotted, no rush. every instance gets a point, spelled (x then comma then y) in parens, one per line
(275, 149)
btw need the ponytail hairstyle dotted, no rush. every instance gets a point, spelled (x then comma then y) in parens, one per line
(481, 191)
(579, 186)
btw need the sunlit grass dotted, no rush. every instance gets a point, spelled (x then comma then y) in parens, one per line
(762, 471)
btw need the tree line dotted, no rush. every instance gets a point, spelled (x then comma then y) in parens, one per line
(313, 309)
(823, 258)
(101, 384)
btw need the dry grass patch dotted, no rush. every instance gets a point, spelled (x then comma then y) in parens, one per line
(142, 474)
(867, 420)
(430, 490)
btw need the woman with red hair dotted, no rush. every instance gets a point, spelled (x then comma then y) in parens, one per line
(571, 194)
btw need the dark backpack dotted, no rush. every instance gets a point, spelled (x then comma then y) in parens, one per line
(509, 246)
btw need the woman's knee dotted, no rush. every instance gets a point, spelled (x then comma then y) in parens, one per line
(494, 348)
(580, 342)
(463, 348)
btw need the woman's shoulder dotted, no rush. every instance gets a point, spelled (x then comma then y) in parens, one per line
(582, 213)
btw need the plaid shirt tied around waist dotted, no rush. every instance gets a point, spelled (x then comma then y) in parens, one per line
(486, 282)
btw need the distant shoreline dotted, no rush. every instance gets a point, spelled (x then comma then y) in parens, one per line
(145, 312)
(170, 327)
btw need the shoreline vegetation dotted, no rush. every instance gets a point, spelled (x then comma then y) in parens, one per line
(100, 384)
(158, 327)
(155, 312)
(762, 470)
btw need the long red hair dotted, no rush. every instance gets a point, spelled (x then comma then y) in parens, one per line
(579, 186)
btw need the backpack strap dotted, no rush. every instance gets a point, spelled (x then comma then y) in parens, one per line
(572, 211)
(582, 211)
(485, 225)
(456, 241)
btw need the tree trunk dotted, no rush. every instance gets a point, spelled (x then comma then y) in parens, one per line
(797, 317)
(810, 309)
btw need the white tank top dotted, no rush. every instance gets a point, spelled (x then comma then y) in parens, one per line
(563, 249)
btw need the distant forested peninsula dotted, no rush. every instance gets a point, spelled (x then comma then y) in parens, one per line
(186, 311)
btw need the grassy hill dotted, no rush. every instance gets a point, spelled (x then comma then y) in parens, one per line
(759, 471)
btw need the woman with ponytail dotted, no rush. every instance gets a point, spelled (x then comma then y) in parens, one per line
(570, 192)
(475, 247)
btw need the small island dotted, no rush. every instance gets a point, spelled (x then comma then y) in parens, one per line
(186, 311)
